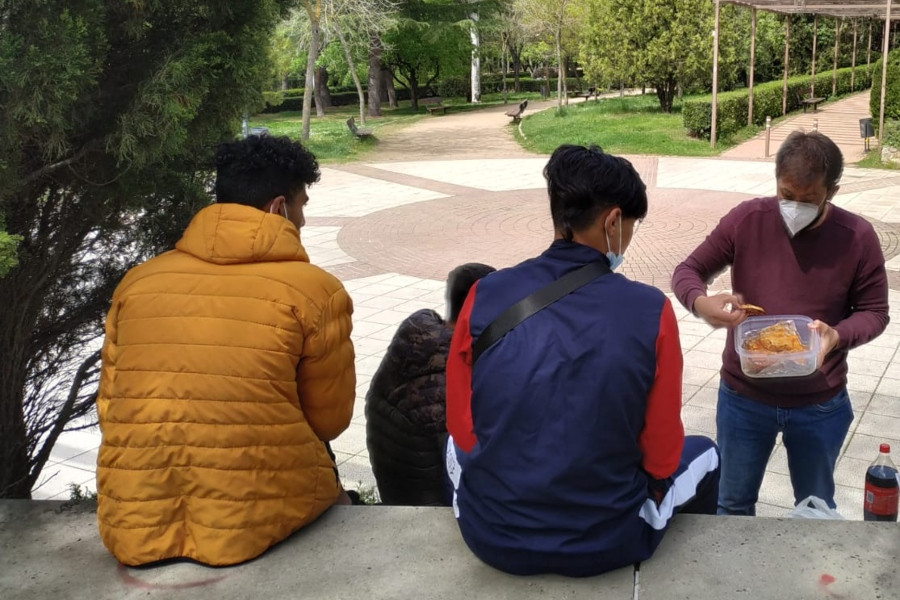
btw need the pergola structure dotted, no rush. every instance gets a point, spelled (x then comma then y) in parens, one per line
(852, 9)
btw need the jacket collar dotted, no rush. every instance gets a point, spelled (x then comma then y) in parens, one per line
(573, 252)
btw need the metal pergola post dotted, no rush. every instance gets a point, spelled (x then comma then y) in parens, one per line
(853, 64)
(787, 56)
(812, 79)
(752, 65)
(837, 42)
(884, 64)
(715, 90)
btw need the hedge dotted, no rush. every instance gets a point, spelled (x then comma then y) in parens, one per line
(696, 113)
(450, 87)
(891, 90)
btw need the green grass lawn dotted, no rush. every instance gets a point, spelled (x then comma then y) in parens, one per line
(629, 125)
(331, 141)
(329, 138)
(873, 161)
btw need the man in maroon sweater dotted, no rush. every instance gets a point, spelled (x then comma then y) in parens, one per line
(792, 254)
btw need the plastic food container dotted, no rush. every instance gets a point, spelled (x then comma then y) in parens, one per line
(756, 363)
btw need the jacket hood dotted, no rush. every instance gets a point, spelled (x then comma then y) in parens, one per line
(233, 233)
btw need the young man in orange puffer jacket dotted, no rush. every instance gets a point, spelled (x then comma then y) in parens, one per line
(227, 368)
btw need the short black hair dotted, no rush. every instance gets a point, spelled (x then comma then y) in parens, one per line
(459, 282)
(585, 181)
(258, 168)
(810, 155)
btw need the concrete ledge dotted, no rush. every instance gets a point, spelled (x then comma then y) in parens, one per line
(373, 553)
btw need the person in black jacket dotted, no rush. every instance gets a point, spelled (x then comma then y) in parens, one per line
(406, 429)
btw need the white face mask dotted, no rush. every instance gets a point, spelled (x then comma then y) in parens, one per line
(797, 216)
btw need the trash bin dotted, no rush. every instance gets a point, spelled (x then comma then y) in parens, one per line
(865, 128)
(866, 131)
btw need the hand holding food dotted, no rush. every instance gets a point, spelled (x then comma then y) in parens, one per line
(719, 310)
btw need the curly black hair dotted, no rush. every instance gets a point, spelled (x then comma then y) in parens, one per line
(585, 181)
(256, 169)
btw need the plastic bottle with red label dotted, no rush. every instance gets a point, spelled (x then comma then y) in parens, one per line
(882, 488)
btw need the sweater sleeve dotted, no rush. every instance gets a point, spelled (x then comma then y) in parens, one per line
(459, 379)
(662, 438)
(326, 375)
(706, 262)
(868, 296)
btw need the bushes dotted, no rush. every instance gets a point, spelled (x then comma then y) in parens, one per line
(732, 115)
(891, 132)
(891, 90)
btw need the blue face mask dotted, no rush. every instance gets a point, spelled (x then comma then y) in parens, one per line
(615, 260)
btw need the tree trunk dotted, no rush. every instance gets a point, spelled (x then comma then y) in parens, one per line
(560, 75)
(375, 74)
(476, 59)
(310, 74)
(284, 82)
(504, 67)
(515, 53)
(388, 89)
(323, 95)
(352, 66)
(413, 89)
(665, 92)
(14, 480)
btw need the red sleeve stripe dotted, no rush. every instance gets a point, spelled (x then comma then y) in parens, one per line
(459, 379)
(662, 438)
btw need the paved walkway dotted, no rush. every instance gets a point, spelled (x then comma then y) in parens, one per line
(392, 229)
(838, 120)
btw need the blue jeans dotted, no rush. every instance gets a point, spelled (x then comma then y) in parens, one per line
(746, 432)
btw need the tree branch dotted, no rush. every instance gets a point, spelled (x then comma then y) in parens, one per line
(64, 416)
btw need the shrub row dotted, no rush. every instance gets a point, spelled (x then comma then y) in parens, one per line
(292, 99)
(731, 116)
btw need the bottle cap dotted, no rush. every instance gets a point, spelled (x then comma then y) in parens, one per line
(885, 449)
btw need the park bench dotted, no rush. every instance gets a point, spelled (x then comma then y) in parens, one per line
(591, 91)
(806, 99)
(433, 105)
(361, 133)
(51, 550)
(516, 113)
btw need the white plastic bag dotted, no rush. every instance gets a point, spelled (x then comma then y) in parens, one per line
(814, 507)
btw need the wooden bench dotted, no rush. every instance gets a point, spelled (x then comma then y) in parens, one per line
(587, 94)
(516, 113)
(433, 105)
(361, 133)
(806, 99)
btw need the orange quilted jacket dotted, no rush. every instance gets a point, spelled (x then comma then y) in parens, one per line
(226, 366)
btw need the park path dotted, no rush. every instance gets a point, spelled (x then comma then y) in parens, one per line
(488, 133)
(484, 133)
(838, 120)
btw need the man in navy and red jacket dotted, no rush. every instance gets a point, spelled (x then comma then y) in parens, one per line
(567, 452)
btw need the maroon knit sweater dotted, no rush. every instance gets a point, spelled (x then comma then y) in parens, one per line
(834, 273)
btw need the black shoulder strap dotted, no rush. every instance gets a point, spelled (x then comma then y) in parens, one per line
(535, 302)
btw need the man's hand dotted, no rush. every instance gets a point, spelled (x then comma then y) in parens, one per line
(720, 310)
(828, 339)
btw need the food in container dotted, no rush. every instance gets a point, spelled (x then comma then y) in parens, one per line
(777, 346)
